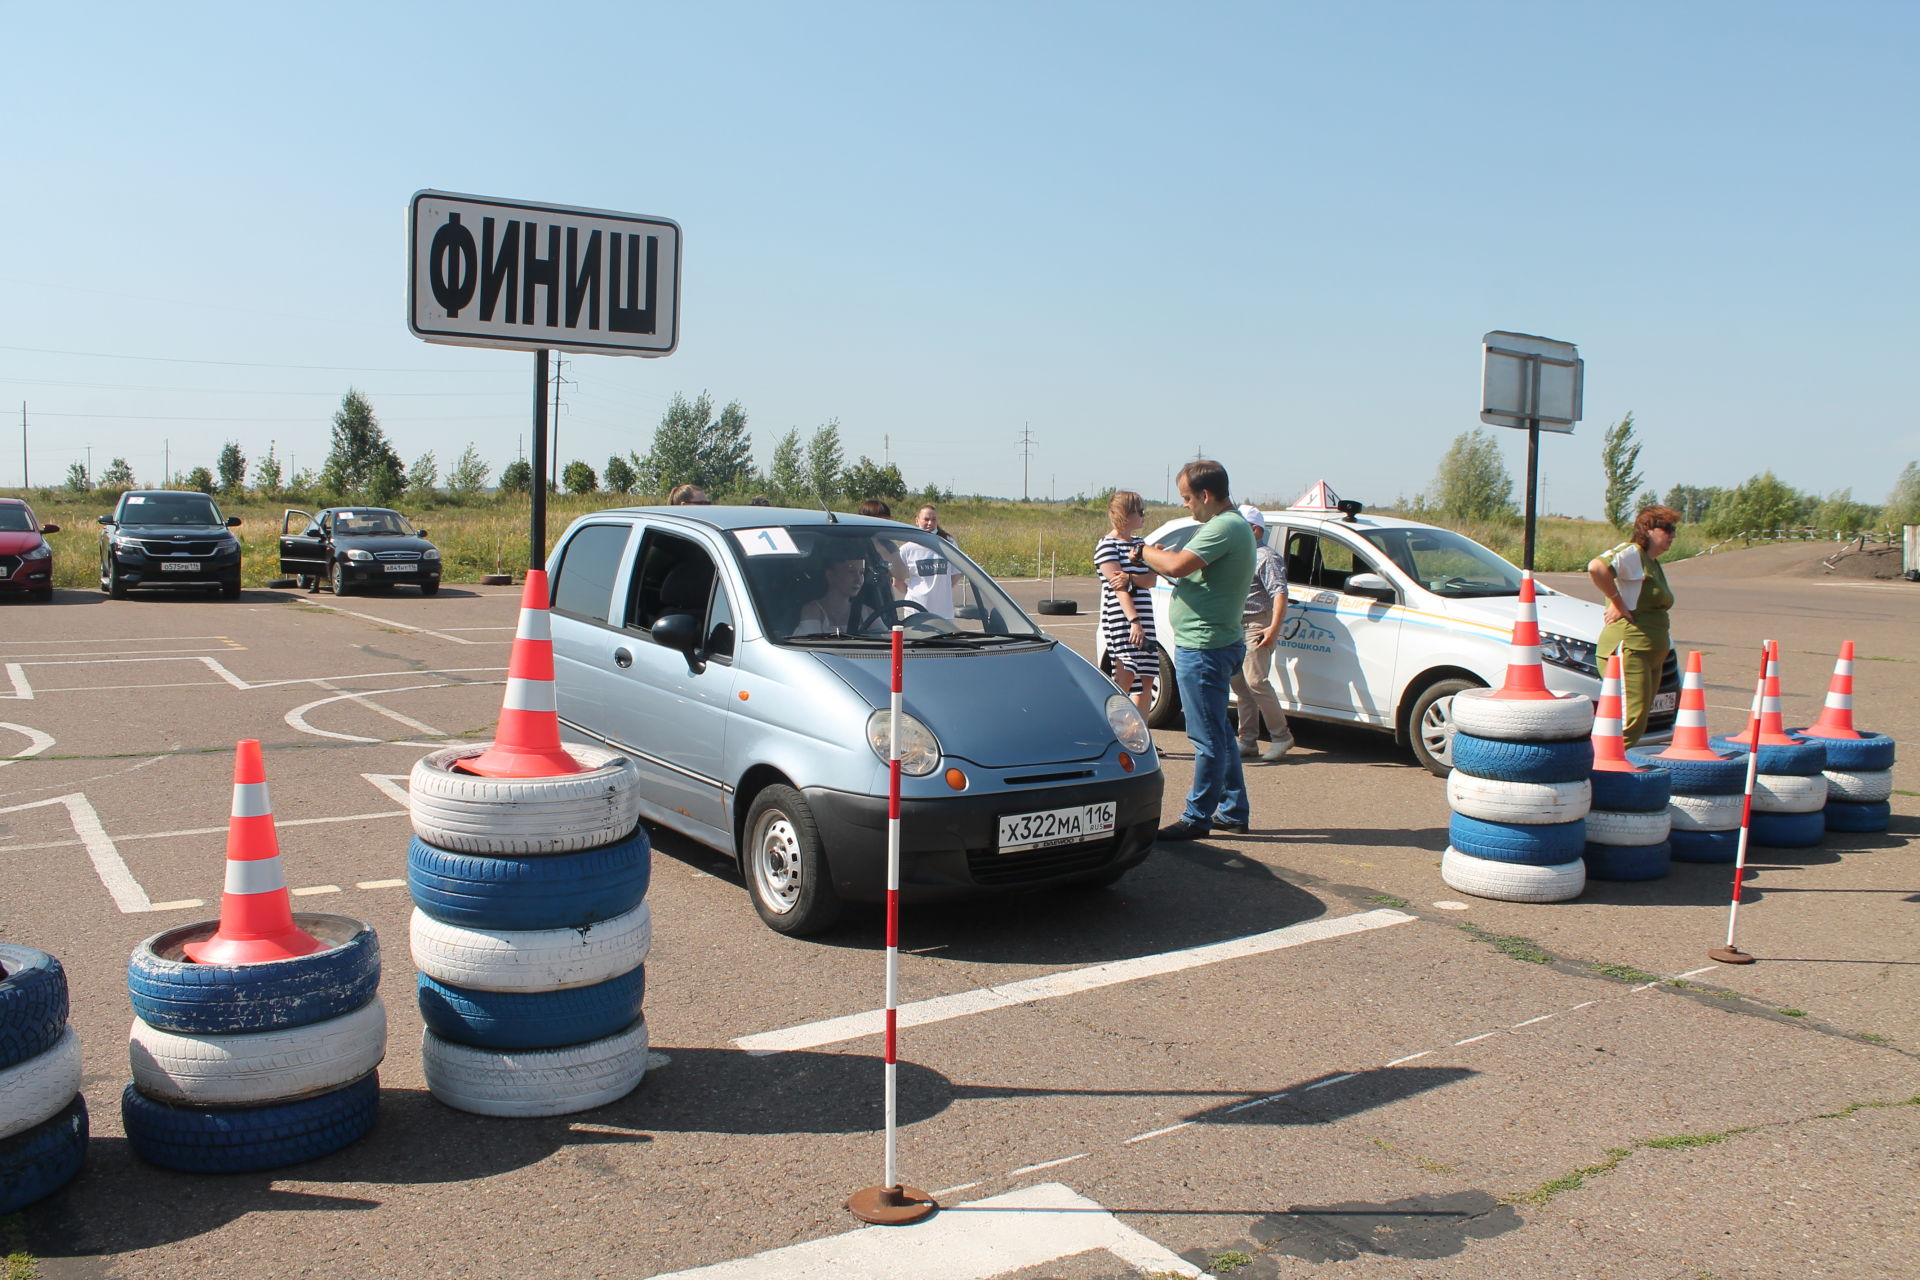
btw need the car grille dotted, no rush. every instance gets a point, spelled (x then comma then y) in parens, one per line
(396, 555)
(988, 868)
(9, 565)
(180, 548)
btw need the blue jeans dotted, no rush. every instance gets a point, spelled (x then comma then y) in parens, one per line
(1203, 677)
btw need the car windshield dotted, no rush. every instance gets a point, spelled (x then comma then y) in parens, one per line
(1447, 563)
(16, 520)
(848, 584)
(169, 508)
(362, 523)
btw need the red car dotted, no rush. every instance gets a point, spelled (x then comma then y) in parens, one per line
(26, 561)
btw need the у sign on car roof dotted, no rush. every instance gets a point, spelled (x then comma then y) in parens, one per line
(508, 273)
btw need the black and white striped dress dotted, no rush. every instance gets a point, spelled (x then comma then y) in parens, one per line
(1114, 623)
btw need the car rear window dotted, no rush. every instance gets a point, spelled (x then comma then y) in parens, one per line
(589, 563)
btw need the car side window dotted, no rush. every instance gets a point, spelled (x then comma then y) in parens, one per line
(720, 625)
(589, 563)
(673, 575)
(1323, 563)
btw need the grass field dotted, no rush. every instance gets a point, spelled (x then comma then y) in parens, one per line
(1008, 539)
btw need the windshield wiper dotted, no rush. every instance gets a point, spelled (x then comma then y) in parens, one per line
(969, 639)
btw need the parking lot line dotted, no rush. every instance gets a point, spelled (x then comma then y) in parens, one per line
(107, 862)
(403, 626)
(1066, 983)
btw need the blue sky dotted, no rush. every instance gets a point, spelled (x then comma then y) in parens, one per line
(1272, 232)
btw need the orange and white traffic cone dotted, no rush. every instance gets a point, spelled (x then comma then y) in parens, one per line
(1773, 725)
(1690, 726)
(1526, 678)
(1836, 717)
(256, 912)
(1609, 743)
(527, 742)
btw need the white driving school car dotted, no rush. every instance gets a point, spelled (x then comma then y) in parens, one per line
(1387, 619)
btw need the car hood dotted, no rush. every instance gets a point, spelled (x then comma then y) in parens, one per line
(1561, 615)
(380, 542)
(13, 544)
(163, 532)
(997, 708)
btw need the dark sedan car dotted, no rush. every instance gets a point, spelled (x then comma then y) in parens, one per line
(168, 538)
(26, 561)
(351, 548)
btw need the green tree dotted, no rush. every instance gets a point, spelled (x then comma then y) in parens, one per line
(1903, 504)
(1472, 483)
(868, 479)
(619, 475)
(268, 473)
(675, 456)
(726, 451)
(303, 484)
(199, 478)
(578, 477)
(469, 474)
(1619, 454)
(387, 483)
(1841, 514)
(787, 476)
(1691, 502)
(232, 466)
(77, 479)
(424, 474)
(516, 477)
(825, 462)
(1759, 506)
(360, 448)
(118, 475)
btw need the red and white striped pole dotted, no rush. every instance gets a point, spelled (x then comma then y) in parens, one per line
(1731, 954)
(891, 1204)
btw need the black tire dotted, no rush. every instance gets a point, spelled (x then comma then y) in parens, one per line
(1800, 759)
(337, 579)
(307, 581)
(1430, 729)
(1628, 861)
(1705, 846)
(39, 1161)
(1632, 790)
(1865, 754)
(41, 595)
(531, 1019)
(1530, 844)
(430, 588)
(1522, 761)
(528, 891)
(175, 994)
(1057, 608)
(230, 589)
(111, 581)
(785, 866)
(1721, 777)
(1788, 830)
(1164, 713)
(248, 1139)
(1841, 815)
(33, 1003)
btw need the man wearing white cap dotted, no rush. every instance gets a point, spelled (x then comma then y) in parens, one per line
(1265, 609)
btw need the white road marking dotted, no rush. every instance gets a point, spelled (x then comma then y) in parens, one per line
(390, 785)
(107, 863)
(125, 640)
(1155, 1133)
(379, 884)
(1410, 1057)
(18, 678)
(220, 670)
(1473, 1039)
(971, 1241)
(402, 626)
(179, 905)
(1321, 1084)
(1530, 1021)
(1048, 1164)
(1066, 983)
(279, 824)
(313, 889)
(297, 718)
(36, 743)
(388, 712)
(1258, 1102)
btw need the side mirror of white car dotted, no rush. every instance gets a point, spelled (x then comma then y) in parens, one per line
(1371, 585)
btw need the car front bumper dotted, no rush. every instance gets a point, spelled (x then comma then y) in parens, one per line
(367, 572)
(138, 569)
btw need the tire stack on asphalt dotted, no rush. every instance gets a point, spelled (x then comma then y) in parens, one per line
(529, 872)
(256, 1037)
(1708, 787)
(1790, 786)
(1519, 789)
(43, 1117)
(1628, 826)
(1859, 769)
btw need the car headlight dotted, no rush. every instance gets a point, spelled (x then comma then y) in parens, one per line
(1129, 726)
(41, 552)
(1574, 655)
(431, 553)
(127, 542)
(357, 554)
(919, 751)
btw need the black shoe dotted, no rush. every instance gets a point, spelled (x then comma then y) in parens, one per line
(1183, 831)
(1232, 828)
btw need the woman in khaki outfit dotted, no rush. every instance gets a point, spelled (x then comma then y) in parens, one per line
(1630, 576)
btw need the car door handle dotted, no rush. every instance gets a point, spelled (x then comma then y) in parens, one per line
(622, 658)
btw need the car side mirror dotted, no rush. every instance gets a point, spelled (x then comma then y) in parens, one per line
(1372, 586)
(419, 533)
(49, 528)
(681, 632)
(104, 519)
(233, 522)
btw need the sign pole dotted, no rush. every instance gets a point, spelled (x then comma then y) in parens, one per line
(537, 536)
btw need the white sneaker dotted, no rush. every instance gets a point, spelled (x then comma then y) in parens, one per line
(1277, 750)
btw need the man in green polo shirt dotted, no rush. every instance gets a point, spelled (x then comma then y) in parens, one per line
(1211, 576)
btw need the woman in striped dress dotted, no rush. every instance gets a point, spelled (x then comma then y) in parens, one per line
(1126, 608)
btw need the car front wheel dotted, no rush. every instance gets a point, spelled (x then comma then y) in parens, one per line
(785, 869)
(338, 580)
(110, 581)
(1430, 724)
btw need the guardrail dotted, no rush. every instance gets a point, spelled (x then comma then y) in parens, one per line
(1752, 536)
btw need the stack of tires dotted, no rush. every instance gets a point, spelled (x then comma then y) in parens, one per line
(1706, 798)
(1520, 794)
(242, 1067)
(1859, 776)
(43, 1118)
(530, 931)
(1789, 792)
(1629, 828)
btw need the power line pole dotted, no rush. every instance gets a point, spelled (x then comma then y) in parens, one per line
(553, 480)
(1026, 456)
(24, 482)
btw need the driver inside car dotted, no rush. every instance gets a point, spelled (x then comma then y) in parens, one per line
(837, 610)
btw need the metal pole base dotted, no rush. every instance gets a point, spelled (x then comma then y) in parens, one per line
(1729, 955)
(894, 1206)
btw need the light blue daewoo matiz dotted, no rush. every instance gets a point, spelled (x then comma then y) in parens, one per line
(740, 656)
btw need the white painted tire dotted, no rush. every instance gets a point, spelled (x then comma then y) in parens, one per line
(1512, 881)
(1859, 788)
(1565, 717)
(1613, 827)
(463, 813)
(535, 1082)
(1789, 792)
(1533, 803)
(531, 959)
(257, 1068)
(41, 1087)
(1706, 813)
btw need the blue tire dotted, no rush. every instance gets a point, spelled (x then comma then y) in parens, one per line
(526, 891)
(531, 1019)
(1705, 846)
(1628, 861)
(1789, 830)
(1840, 815)
(1800, 759)
(33, 1003)
(1523, 761)
(1638, 791)
(37, 1162)
(1865, 754)
(1724, 776)
(248, 1139)
(1549, 845)
(173, 993)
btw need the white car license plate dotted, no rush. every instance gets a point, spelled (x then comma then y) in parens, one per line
(1050, 827)
(401, 568)
(179, 566)
(1665, 702)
